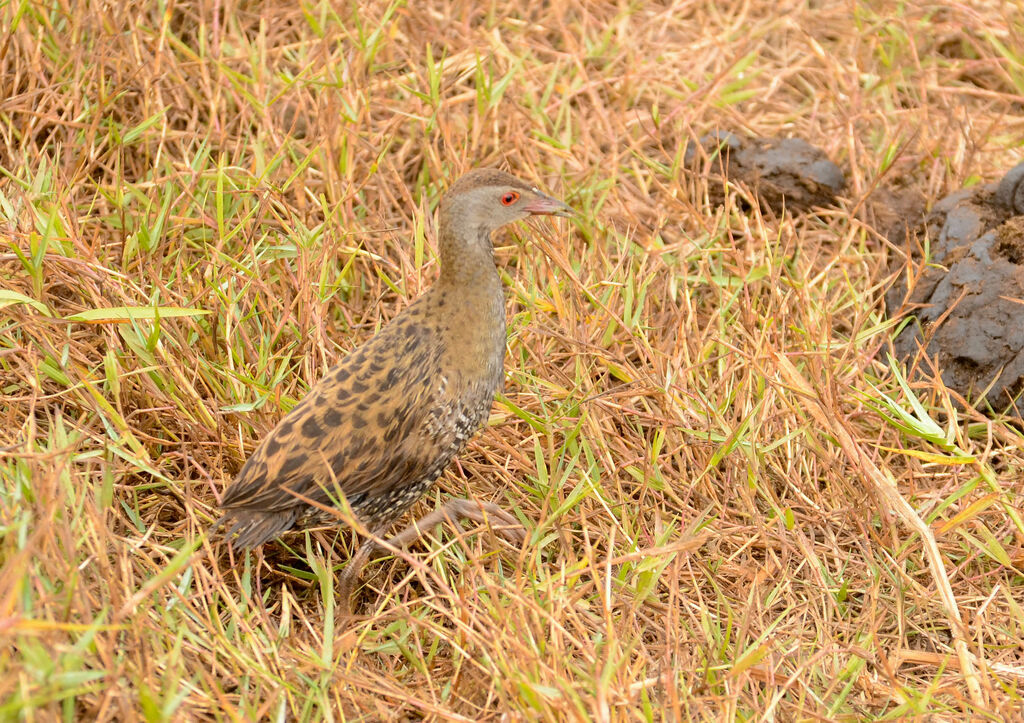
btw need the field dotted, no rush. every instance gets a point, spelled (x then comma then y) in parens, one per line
(736, 508)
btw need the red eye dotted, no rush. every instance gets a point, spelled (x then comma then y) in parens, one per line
(509, 198)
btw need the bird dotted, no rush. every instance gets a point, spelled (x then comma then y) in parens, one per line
(381, 426)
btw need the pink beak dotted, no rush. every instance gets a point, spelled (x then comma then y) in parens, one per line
(546, 206)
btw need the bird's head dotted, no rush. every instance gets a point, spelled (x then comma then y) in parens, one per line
(486, 199)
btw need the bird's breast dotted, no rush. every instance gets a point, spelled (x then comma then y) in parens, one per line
(473, 363)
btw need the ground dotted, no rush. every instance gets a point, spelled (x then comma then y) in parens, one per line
(741, 501)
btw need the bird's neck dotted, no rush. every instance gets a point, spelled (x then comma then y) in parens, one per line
(467, 259)
(470, 301)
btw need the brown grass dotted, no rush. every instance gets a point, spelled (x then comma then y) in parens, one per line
(735, 509)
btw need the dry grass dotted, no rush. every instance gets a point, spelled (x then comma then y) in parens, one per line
(736, 510)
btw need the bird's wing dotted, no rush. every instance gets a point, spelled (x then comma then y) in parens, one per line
(364, 427)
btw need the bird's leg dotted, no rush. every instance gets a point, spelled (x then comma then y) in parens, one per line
(350, 575)
(454, 510)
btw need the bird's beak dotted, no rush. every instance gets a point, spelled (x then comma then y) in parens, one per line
(546, 206)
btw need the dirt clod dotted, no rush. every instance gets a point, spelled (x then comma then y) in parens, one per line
(967, 296)
(1010, 191)
(1010, 240)
(781, 172)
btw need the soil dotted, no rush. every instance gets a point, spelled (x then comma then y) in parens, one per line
(780, 172)
(966, 299)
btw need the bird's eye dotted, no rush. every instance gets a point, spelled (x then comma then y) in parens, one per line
(509, 198)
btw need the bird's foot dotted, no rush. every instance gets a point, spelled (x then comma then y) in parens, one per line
(457, 509)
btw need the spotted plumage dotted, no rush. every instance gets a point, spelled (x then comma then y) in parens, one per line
(381, 426)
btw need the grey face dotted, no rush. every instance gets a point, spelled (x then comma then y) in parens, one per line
(490, 207)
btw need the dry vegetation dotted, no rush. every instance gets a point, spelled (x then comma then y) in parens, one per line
(699, 428)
